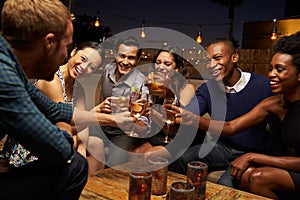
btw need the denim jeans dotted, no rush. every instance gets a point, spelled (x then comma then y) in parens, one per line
(36, 181)
(216, 155)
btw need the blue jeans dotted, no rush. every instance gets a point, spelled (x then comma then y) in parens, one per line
(216, 155)
(37, 181)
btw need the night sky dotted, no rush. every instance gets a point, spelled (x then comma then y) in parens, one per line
(184, 17)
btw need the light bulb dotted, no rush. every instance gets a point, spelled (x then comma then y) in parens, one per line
(274, 30)
(97, 22)
(273, 36)
(199, 38)
(143, 34)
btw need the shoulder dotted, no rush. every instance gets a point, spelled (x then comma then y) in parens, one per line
(205, 85)
(50, 87)
(258, 77)
(135, 76)
(139, 73)
(109, 67)
(259, 81)
(9, 64)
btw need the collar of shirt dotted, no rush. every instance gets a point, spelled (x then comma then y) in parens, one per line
(127, 79)
(241, 84)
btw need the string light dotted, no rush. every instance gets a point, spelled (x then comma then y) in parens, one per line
(70, 5)
(173, 22)
(143, 34)
(274, 30)
(199, 35)
(97, 21)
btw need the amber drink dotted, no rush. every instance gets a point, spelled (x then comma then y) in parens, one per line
(140, 185)
(182, 191)
(197, 175)
(159, 167)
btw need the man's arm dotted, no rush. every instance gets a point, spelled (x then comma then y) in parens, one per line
(258, 114)
(26, 113)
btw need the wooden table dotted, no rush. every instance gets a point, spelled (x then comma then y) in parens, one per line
(113, 183)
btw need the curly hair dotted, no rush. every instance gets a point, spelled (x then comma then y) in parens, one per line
(290, 45)
(176, 53)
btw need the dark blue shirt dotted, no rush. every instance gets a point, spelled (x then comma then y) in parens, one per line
(28, 116)
(228, 106)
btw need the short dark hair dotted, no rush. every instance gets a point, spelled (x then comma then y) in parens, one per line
(290, 45)
(129, 41)
(224, 40)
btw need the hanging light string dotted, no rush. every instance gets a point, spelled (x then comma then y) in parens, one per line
(143, 34)
(274, 30)
(177, 23)
(199, 35)
(97, 22)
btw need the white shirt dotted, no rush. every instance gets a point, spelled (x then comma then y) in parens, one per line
(241, 84)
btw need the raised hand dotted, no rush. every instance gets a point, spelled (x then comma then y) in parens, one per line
(124, 121)
(103, 107)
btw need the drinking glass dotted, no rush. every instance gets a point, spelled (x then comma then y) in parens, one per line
(140, 185)
(137, 108)
(159, 168)
(182, 191)
(157, 88)
(118, 104)
(170, 116)
(197, 175)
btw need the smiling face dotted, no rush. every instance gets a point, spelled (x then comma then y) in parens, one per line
(222, 61)
(126, 58)
(83, 62)
(283, 75)
(165, 64)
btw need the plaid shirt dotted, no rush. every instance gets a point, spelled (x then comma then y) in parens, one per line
(28, 116)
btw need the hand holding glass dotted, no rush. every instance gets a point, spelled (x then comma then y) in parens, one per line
(137, 108)
(118, 104)
(170, 116)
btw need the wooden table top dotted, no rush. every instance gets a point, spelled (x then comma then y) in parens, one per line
(113, 183)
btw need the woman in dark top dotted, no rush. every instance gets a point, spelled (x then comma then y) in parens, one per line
(273, 176)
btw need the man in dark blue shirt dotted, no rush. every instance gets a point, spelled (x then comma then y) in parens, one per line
(229, 94)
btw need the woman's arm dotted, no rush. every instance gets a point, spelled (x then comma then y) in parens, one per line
(273, 104)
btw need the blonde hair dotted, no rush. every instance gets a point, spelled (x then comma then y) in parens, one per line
(24, 21)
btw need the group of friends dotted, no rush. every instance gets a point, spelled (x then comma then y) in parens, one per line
(52, 138)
